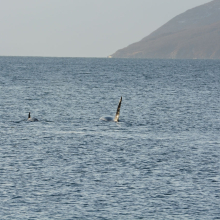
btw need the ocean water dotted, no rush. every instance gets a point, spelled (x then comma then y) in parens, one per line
(160, 161)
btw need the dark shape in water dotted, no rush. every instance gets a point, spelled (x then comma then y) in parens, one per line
(116, 118)
(31, 119)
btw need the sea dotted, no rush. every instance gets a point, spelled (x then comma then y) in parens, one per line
(160, 161)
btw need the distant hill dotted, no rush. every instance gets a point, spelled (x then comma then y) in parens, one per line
(194, 34)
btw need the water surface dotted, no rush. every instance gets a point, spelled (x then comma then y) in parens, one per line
(161, 161)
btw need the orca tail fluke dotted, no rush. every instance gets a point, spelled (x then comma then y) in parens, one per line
(118, 111)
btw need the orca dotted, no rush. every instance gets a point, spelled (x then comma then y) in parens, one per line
(116, 118)
(31, 119)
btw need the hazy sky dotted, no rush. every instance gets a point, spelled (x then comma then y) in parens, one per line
(81, 28)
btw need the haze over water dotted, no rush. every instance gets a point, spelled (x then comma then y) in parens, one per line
(161, 161)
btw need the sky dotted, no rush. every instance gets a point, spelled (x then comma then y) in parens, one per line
(81, 28)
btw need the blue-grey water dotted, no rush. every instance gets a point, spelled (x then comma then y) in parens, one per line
(161, 161)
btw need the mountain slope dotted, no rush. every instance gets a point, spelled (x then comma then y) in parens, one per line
(194, 34)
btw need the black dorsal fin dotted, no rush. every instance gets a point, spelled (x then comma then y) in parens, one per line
(29, 115)
(118, 111)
